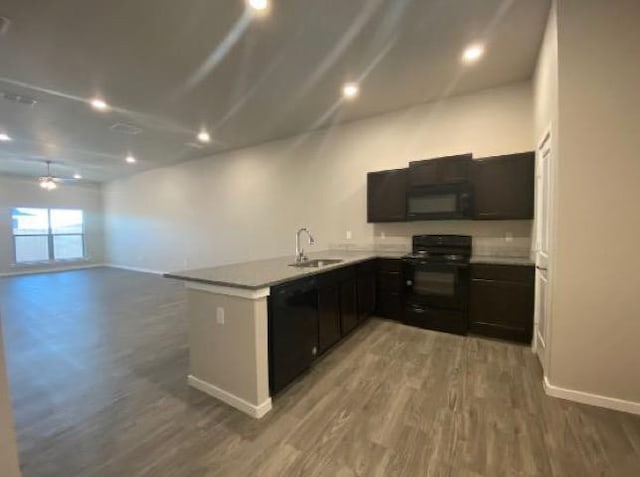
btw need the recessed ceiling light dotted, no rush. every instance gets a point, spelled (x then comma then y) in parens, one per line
(259, 5)
(99, 105)
(350, 90)
(130, 159)
(5, 137)
(203, 136)
(472, 53)
(77, 176)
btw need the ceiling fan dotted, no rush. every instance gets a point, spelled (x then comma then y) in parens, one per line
(50, 182)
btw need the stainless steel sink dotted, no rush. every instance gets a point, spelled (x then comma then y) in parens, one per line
(316, 263)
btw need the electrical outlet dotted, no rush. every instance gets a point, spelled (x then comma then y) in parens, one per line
(348, 234)
(220, 315)
(508, 237)
(383, 235)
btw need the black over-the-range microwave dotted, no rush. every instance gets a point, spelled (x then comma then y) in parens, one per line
(440, 189)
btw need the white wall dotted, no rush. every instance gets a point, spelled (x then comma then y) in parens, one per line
(545, 82)
(19, 192)
(247, 204)
(596, 314)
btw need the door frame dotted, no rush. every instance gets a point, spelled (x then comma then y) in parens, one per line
(547, 137)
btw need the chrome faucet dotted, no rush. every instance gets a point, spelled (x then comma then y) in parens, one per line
(300, 256)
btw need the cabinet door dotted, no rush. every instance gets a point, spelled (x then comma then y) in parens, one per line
(504, 187)
(501, 309)
(328, 317)
(389, 289)
(387, 196)
(423, 173)
(441, 170)
(453, 170)
(390, 305)
(366, 295)
(348, 305)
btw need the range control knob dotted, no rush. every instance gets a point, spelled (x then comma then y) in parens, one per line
(409, 283)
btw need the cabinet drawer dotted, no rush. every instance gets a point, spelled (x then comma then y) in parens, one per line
(390, 264)
(506, 273)
(366, 267)
(390, 282)
(432, 319)
(334, 277)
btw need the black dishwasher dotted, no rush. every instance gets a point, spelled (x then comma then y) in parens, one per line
(293, 330)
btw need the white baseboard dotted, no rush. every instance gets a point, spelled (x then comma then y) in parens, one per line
(231, 399)
(134, 269)
(52, 269)
(591, 399)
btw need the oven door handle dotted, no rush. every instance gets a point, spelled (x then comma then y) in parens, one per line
(418, 309)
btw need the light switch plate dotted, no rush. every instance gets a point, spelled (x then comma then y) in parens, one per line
(348, 234)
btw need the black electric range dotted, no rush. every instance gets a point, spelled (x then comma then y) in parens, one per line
(436, 275)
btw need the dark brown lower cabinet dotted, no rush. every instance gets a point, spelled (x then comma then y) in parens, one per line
(310, 315)
(348, 305)
(390, 283)
(502, 301)
(329, 332)
(366, 278)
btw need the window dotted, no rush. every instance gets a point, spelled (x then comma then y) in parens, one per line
(41, 235)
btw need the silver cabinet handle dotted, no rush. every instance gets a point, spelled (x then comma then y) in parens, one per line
(544, 269)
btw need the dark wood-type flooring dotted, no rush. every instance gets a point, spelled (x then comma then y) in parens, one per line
(98, 363)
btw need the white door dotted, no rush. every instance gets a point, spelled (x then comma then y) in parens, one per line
(544, 161)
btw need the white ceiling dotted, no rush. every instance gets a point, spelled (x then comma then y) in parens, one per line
(269, 77)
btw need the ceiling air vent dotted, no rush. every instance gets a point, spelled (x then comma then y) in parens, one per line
(194, 145)
(126, 129)
(18, 98)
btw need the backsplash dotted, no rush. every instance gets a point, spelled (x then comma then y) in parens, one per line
(499, 247)
(490, 238)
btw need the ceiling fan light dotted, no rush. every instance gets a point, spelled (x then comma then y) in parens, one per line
(47, 183)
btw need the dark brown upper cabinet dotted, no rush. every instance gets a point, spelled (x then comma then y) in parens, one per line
(387, 196)
(503, 187)
(441, 170)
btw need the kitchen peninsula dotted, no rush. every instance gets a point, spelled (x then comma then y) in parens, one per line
(228, 321)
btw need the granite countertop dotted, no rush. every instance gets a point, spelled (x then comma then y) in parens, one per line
(498, 260)
(266, 273)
